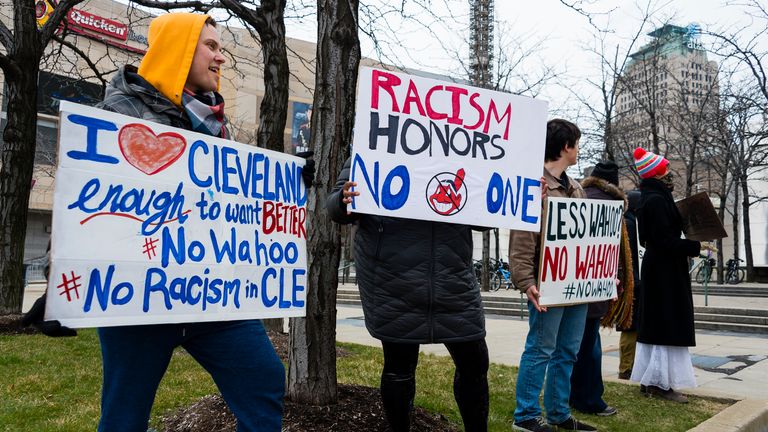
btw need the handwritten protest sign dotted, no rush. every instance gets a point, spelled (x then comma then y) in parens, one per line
(580, 251)
(447, 152)
(153, 224)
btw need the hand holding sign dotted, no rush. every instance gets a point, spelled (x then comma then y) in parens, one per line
(347, 193)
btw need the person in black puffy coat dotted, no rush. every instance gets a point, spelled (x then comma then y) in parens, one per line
(417, 286)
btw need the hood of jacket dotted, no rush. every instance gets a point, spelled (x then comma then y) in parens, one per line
(606, 187)
(173, 40)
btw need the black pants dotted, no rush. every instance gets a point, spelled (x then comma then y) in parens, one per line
(587, 376)
(470, 383)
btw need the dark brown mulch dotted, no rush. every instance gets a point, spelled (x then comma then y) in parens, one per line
(358, 410)
(11, 325)
(280, 341)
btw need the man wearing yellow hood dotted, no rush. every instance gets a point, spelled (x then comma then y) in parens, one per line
(176, 85)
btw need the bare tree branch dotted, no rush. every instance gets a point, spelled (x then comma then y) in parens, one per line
(57, 17)
(99, 74)
(6, 37)
(200, 6)
(9, 67)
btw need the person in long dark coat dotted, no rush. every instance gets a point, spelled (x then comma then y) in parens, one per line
(665, 327)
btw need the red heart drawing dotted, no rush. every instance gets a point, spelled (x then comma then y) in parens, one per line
(148, 152)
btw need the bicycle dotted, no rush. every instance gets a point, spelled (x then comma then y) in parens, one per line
(705, 268)
(734, 274)
(501, 275)
(478, 267)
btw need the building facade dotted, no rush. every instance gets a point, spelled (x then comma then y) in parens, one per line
(668, 100)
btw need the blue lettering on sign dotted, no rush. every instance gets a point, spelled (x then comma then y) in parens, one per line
(122, 294)
(199, 144)
(296, 287)
(157, 207)
(502, 195)
(268, 301)
(529, 183)
(192, 290)
(394, 202)
(226, 249)
(226, 152)
(281, 299)
(93, 125)
(389, 200)
(248, 174)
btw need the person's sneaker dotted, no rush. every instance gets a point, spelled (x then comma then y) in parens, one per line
(608, 411)
(571, 424)
(625, 375)
(666, 394)
(536, 424)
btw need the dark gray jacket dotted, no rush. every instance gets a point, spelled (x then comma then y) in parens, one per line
(130, 94)
(415, 277)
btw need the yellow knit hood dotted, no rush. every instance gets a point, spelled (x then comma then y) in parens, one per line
(172, 42)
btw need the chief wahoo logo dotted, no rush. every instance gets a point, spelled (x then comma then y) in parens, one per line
(447, 193)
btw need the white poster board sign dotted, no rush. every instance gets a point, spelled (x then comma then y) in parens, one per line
(581, 245)
(435, 150)
(153, 224)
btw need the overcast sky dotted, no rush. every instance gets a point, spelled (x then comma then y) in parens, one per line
(558, 33)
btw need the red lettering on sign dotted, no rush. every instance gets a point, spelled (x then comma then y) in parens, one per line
(106, 26)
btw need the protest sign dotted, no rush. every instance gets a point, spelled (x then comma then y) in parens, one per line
(433, 150)
(580, 250)
(153, 224)
(700, 220)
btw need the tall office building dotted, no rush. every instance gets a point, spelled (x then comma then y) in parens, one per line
(670, 87)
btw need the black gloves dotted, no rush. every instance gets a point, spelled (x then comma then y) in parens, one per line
(49, 328)
(308, 172)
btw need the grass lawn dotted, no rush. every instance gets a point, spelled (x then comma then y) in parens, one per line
(51, 384)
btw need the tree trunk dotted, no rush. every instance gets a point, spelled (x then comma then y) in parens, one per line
(735, 221)
(17, 160)
(721, 215)
(274, 106)
(689, 167)
(485, 280)
(655, 133)
(312, 363)
(747, 229)
(608, 151)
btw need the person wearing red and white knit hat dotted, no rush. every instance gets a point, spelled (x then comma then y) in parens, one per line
(665, 310)
(649, 164)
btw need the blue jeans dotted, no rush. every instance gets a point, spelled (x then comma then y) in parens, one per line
(238, 355)
(553, 340)
(587, 377)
